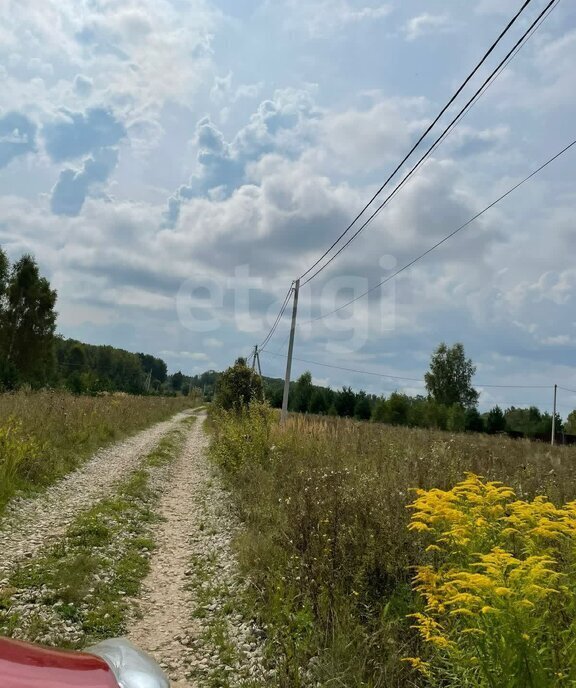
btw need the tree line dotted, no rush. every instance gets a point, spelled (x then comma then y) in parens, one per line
(88, 369)
(33, 355)
(449, 404)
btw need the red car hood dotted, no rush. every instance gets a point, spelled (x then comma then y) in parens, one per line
(30, 666)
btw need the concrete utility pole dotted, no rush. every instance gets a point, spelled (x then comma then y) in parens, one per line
(148, 381)
(257, 356)
(256, 361)
(554, 417)
(284, 414)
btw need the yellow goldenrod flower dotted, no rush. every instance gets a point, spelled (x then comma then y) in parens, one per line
(418, 664)
(503, 571)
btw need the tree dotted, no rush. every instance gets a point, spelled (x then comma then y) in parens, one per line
(456, 418)
(27, 320)
(345, 401)
(362, 408)
(275, 394)
(526, 421)
(449, 380)
(544, 428)
(177, 380)
(474, 422)
(156, 365)
(424, 412)
(302, 395)
(495, 421)
(570, 427)
(238, 386)
(379, 411)
(318, 402)
(8, 376)
(397, 408)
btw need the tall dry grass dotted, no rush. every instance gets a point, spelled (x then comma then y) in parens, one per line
(44, 435)
(326, 540)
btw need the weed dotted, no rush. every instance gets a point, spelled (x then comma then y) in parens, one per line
(498, 587)
(45, 435)
(326, 543)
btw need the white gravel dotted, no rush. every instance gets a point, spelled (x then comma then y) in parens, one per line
(30, 524)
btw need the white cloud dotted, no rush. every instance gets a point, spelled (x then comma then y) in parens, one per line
(320, 18)
(271, 186)
(193, 356)
(559, 340)
(427, 24)
(137, 53)
(213, 343)
(366, 139)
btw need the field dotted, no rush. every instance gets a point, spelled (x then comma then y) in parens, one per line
(44, 435)
(335, 564)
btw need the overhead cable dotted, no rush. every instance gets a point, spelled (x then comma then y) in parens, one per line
(448, 236)
(525, 36)
(399, 377)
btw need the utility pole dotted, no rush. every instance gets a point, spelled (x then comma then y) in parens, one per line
(284, 414)
(554, 417)
(256, 360)
(148, 381)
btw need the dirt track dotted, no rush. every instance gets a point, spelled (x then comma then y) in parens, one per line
(36, 522)
(189, 615)
(165, 603)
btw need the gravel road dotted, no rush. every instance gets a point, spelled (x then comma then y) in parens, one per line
(165, 603)
(194, 584)
(30, 524)
(189, 614)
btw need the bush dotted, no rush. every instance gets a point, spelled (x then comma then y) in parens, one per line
(237, 387)
(241, 437)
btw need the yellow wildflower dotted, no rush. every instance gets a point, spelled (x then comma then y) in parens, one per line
(418, 664)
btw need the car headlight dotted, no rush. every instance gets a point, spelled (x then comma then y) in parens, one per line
(131, 667)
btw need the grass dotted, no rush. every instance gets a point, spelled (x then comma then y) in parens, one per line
(326, 542)
(44, 435)
(77, 591)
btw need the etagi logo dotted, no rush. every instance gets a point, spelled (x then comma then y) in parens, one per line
(344, 310)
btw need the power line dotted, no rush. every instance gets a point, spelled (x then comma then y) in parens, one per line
(448, 236)
(525, 36)
(423, 136)
(278, 318)
(284, 342)
(277, 321)
(350, 370)
(398, 377)
(565, 389)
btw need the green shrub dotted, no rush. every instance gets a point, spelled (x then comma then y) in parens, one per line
(237, 387)
(242, 436)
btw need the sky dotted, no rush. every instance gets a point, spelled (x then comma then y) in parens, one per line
(174, 165)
